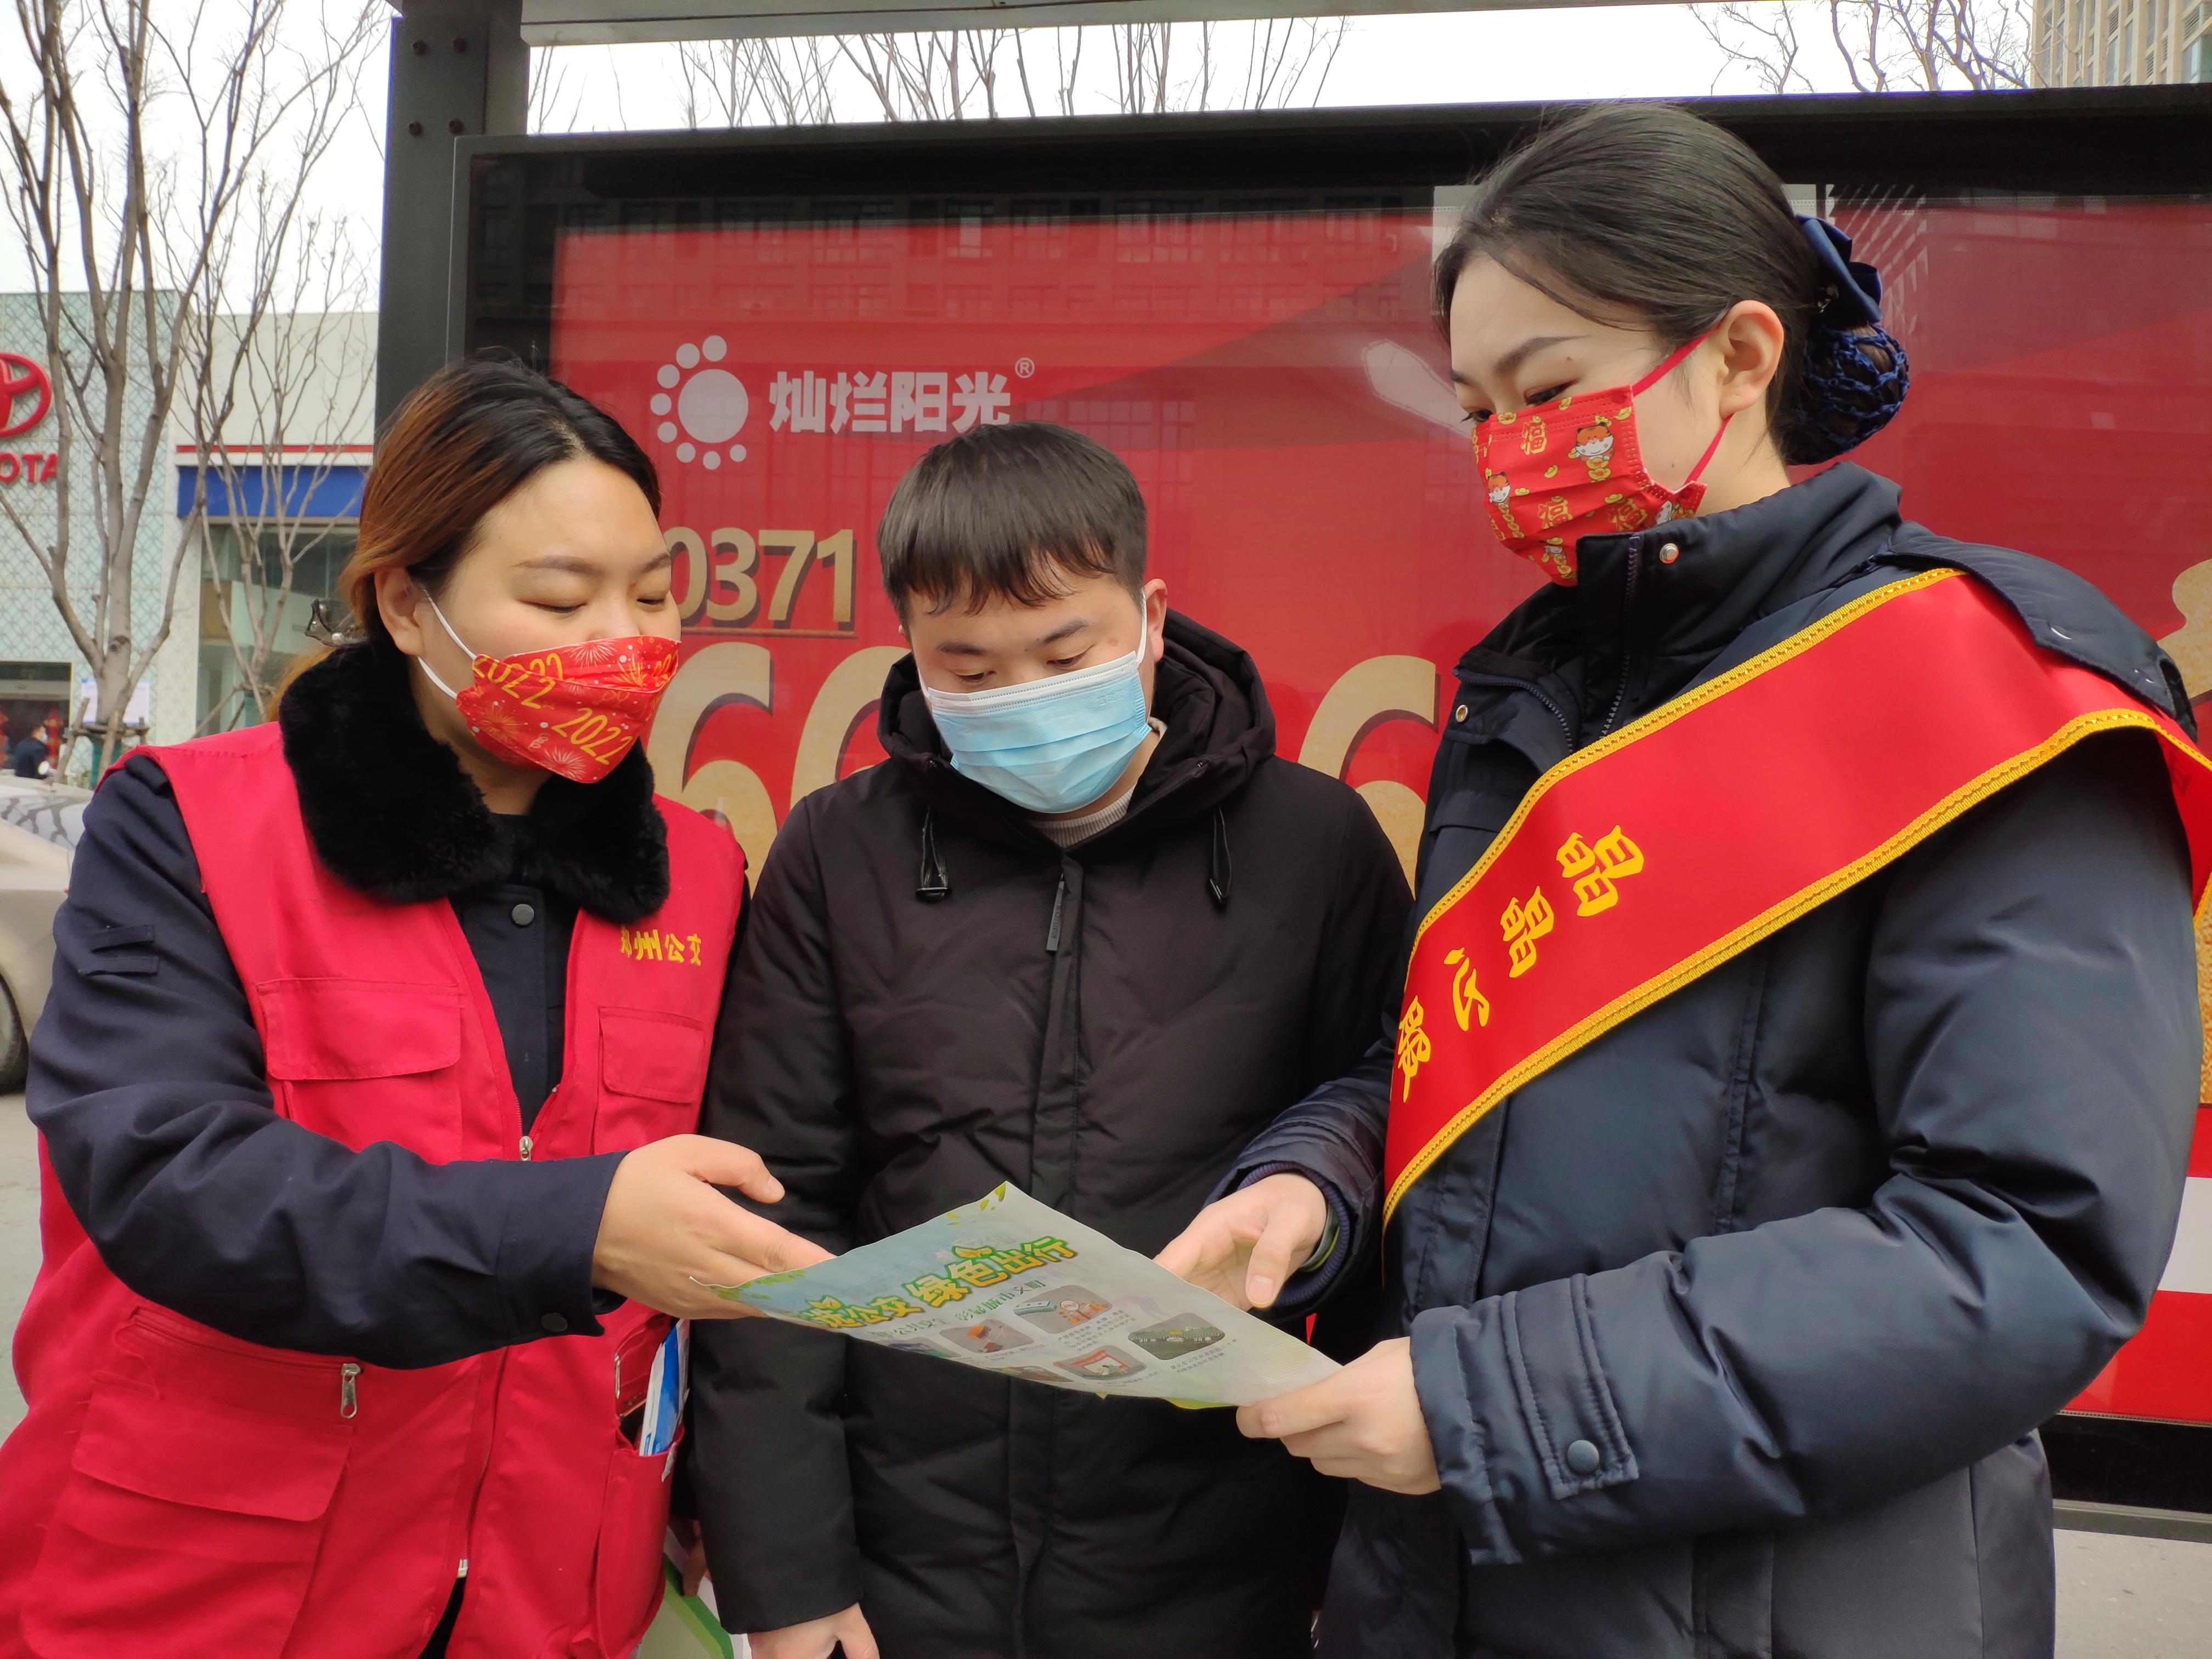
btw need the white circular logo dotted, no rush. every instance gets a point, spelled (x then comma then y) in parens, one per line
(702, 409)
(712, 405)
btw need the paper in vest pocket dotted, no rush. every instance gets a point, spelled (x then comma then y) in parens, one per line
(665, 1391)
(1010, 1286)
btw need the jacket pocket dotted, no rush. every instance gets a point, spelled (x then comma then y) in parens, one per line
(652, 1070)
(190, 1520)
(634, 1353)
(362, 1061)
(627, 1576)
(1732, 1595)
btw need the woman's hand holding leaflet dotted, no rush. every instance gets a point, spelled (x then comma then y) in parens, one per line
(666, 1236)
(1363, 1423)
(1244, 1247)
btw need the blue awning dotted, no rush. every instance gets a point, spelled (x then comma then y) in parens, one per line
(309, 491)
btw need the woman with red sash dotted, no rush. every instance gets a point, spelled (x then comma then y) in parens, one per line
(1790, 1103)
(364, 1095)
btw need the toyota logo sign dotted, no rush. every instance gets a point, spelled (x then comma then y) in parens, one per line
(25, 393)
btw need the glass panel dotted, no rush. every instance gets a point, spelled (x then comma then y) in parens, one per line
(1267, 367)
(1270, 373)
(2060, 350)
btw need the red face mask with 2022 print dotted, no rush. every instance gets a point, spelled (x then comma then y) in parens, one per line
(1556, 472)
(574, 710)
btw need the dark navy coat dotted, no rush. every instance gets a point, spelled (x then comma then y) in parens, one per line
(1733, 1330)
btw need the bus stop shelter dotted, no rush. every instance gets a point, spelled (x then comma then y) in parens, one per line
(1237, 303)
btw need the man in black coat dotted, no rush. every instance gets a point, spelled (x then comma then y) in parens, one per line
(1084, 932)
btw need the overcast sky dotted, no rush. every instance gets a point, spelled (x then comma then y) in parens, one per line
(1543, 53)
(1554, 53)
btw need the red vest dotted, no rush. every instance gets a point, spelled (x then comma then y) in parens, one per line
(183, 1492)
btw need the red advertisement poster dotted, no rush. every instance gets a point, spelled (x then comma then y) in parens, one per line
(2062, 403)
(1274, 380)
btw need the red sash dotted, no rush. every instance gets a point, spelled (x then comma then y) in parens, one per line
(1638, 863)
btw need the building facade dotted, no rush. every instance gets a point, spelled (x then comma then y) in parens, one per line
(41, 669)
(281, 495)
(2121, 42)
(280, 488)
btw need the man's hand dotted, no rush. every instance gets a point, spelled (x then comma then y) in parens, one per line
(1243, 1247)
(817, 1638)
(686, 1532)
(1364, 1423)
(666, 1235)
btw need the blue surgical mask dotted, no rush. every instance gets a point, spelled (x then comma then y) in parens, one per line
(1053, 745)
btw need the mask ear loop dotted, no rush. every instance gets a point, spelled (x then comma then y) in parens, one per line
(1712, 450)
(1680, 355)
(1673, 361)
(425, 662)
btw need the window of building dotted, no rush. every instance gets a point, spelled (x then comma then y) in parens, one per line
(250, 613)
(34, 698)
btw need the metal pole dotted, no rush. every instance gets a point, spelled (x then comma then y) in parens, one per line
(458, 67)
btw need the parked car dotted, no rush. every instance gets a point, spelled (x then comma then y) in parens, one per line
(40, 825)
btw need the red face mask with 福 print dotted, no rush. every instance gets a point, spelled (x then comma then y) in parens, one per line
(1558, 471)
(574, 710)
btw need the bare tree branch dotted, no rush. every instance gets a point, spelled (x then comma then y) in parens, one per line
(966, 74)
(145, 162)
(291, 375)
(554, 104)
(1880, 45)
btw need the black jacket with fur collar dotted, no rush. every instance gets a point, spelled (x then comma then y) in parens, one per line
(392, 812)
(148, 1078)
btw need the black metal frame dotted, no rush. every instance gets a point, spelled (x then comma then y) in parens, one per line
(2123, 1475)
(456, 67)
(2123, 141)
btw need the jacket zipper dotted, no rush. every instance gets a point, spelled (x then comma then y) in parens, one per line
(1627, 653)
(485, 1393)
(1052, 934)
(348, 1370)
(1566, 727)
(527, 1143)
(290, 1361)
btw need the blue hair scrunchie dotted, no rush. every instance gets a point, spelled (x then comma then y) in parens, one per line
(1854, 377)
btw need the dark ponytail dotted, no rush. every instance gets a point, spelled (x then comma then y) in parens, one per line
(1644, 213)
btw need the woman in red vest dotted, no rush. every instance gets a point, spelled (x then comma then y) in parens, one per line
(364, 1093)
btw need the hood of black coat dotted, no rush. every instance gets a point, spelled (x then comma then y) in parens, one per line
(1661, 621)
(390, 811)
(1206, 692)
